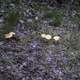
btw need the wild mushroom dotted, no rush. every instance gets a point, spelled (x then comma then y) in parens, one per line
(9, 35)
(48, 37)
(43, 35)
(56, 38)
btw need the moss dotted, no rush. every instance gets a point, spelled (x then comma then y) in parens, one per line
(76, 18)
(11, 19)
(77, 4)
(39, 7)
(35, 25)
(72, 60)
(72, 43)
(7, 61)
(11, 1)
(35, 6)
(32, 25)
(16, 1)
(25, 40)
(56, 16)
(5, 1)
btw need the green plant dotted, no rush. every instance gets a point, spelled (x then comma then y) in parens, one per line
(56, 16)
(36, 5)
(76, 18)
(11, 19)
(10, 1)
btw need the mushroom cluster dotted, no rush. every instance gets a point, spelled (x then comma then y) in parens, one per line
(46, 36)
(49, 37)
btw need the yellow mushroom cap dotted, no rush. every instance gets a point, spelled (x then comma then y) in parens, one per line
(48, 37)
(56, 38)
(9, 35)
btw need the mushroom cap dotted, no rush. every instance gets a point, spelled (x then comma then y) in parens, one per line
(56, 38)
(43, 35)
(12, 33)
(48, 37)
(9, 35)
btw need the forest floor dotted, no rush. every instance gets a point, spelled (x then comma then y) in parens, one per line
(31, 57)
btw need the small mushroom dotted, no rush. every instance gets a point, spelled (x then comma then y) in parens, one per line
(56, 38)
(48, 37)
(9, 35)
(43, 35)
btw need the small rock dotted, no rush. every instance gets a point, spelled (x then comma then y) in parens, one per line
(1, 43)
(23, 79)
(29, 20)
(21, 21)
(8, 67)
(36, 18)
(2, 11)
(27, 10)
(12, 5)
(1, 20)
(24, 64)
